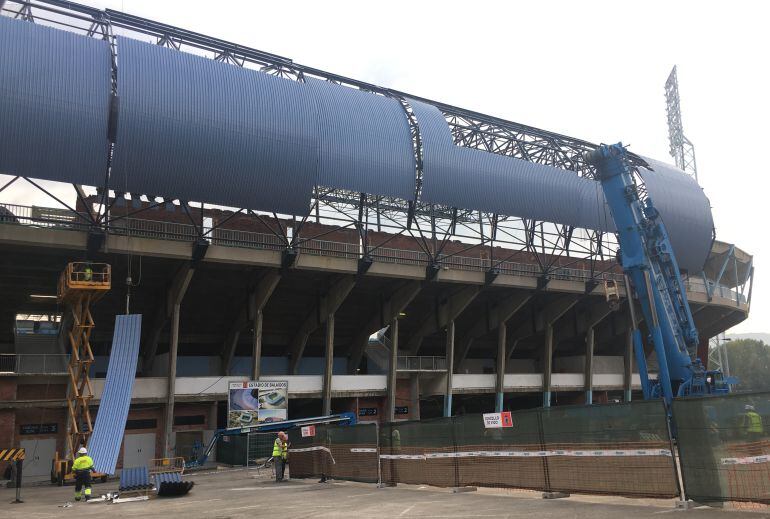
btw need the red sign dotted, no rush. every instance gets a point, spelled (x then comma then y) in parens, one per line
(506, 419)
(308, 430)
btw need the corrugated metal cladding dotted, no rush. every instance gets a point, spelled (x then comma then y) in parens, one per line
(475, 179)
(685, 210)
(196, 129)
(365, 141)
(105, 442)
(54, 103)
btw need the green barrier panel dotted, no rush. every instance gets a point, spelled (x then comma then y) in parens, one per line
(724, 447)
(335, 451)
(618, 449)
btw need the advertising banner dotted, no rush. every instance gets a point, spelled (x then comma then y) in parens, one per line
(251, 403)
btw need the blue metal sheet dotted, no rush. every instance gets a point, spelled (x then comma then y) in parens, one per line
(685, 211)
(105, 442)
(134, 478)
(54, 103)
(196, 129)
(365, 141)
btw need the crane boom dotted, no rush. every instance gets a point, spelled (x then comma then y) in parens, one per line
(653, 275)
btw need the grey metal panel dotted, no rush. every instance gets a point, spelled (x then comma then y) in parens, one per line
(685, 210)
(365, 141)
(54, 103)
(474, 179)
(196, 129)
(105, 442)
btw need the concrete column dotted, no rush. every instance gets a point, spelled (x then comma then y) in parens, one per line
(450, 366)
(500, 372)
(256, 346)
(328, 371)
(170, 398)
(547, 365)
(628, 356)
(588, 382)
(414, 392)
(390, 412)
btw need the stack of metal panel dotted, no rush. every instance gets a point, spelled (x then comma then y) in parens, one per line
(171, 484)
(104, 445)
(135, 478)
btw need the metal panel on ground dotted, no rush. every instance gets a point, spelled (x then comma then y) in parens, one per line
(104, 445)
(54, 103)
(686, 212)
(196, 129)
(365, 141)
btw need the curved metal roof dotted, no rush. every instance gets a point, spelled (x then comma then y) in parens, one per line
(365, 142)
(197, 129)
(54, 103)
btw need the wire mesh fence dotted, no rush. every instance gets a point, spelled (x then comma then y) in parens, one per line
(724, 447)
(615, 449)
(337, 452)
(621, 449)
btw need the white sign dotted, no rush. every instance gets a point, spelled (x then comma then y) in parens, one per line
(253, 402)
(308, 430)
(498, 420)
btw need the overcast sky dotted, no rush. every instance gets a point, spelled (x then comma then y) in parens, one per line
(593, 70)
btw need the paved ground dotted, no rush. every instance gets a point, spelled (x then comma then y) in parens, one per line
(236, 494)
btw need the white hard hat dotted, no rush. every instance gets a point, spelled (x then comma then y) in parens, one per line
(82, 450)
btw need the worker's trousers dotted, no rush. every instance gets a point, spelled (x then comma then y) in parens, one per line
(82, 479)
(280, 467)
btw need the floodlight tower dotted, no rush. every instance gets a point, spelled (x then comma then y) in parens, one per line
(680, 146)
(683, 152)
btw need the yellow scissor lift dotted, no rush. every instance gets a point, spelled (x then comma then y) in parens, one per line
(80, 285)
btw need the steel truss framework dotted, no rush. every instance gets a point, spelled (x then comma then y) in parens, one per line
(680, 146)
(431, 226)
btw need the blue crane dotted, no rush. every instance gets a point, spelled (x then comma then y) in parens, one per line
(652, 275)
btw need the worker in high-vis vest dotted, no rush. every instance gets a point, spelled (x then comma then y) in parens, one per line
(280, 455)
(82, 467)
(752, 423)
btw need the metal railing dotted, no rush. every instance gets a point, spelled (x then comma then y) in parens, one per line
(144, 228)
(34, 364)
(426, 363)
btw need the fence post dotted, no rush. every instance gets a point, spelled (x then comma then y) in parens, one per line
(377, 448)
(670, 427)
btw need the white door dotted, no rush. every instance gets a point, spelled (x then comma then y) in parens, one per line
(138, 449)
(38, 456)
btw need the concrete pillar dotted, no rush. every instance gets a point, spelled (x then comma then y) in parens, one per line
(170, 398)
(329, 370)
(547, 365)
(628, 356)
(256, 346)
(500, 371)
(414, 392)
(588, 382)
(390, 412)
(450, 366)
